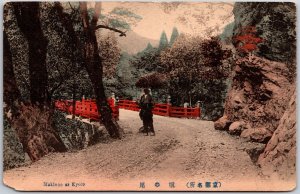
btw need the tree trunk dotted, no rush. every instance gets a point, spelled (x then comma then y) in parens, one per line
(92, 61)
(33, 124)
(94, 68)
(28, 18)
(11, 90)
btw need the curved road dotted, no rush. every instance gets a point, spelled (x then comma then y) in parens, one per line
(183, 153)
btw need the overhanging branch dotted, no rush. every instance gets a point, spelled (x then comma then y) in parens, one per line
(112, 29)
(71, 6)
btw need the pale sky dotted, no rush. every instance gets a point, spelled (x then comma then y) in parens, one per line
(193, 18)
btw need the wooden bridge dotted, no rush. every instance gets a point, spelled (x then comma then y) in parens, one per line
(164, 109)
(88, 109)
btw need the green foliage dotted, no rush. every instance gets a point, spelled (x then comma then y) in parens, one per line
(174, 35)
(120, 18)
(110, 53)
(149, 60)
(145, 63)
(152, 80)
(19, 49)
(91, 12)
(149, 47)
(66, 73)
(197, 70)
(119, 23)
(227, 33)
(125, 12)
(163, 41)
(13, 153)
(276, 25)
(126, 75)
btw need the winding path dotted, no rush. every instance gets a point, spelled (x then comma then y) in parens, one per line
(183, 151)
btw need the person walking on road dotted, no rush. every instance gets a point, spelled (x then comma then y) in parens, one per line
(146, 105)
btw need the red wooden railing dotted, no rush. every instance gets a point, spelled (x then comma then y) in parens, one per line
(85, 108)
(163, 109)
(88, 109)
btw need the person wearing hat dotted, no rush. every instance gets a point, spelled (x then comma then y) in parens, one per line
(146, 105)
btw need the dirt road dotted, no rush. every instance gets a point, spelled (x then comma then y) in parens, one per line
(183, 151)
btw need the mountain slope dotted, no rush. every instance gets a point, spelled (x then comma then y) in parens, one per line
(134, 43)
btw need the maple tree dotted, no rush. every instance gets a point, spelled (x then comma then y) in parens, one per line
(248, 40)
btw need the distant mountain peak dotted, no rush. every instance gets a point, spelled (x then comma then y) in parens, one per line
(134, 43)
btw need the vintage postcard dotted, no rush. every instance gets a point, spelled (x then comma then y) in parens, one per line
(149, 96)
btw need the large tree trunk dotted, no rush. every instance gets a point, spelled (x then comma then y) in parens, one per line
(11, 90)
(33, 124)
(94, 68)
(28, 18)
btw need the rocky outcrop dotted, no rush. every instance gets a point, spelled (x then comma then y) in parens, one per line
(261, 101)
(261, 135)
(257, 100)
(77, 133)
(237, 127)
(280, 152)
(222, 124)
(260, 89)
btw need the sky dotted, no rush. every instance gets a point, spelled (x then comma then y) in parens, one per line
(196, 18)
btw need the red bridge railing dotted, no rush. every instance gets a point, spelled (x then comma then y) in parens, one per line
(163, 109)
(86, 108)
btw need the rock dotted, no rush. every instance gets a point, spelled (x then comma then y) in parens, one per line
(280, 152)
(247, 87)
(238, 101)
(236, 128)
(222, 123)
(255, 152)
(268, 97)
(237, 68)
(76, 134)
(261, 135)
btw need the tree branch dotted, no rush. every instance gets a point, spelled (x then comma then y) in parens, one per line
(110, 28)
(84, 14)
(71, 6)
(96, 14)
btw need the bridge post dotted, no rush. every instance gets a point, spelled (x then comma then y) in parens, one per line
(169, 106)
(185, 106)
(113, 97)
(117, 101)
(198, 109)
